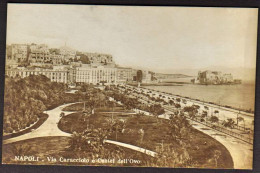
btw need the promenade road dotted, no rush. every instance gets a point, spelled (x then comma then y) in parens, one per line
(223, 114)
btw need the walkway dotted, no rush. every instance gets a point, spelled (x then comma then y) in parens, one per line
(133, 147)
(50, 128)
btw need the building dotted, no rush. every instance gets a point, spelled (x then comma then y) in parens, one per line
(97, 58)
(146, 76)
(65, 65)
(19, 52)
(213, 77)
(227, 78)
(39, 57)
(124, 74)
(40, 48)
(67, 53)
(96, 75)
(60, 76)
(56, 59)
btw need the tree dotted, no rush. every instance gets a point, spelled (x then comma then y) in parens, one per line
(192, 111)
(141, 135)
(138, 116)
(229, 123)
(206, 108)
(217, 154)
(171, 102)
(241, 119)
(204, 115)
(177, 105)
(94, 98)
(179, 127)
(214, 119)
(156, 110)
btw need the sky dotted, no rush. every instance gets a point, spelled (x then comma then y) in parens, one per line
(162, 39)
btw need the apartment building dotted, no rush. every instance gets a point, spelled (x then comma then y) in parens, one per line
(19, 52)
(60, 76)
(96, 75)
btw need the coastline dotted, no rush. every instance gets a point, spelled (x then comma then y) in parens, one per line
(208, 103)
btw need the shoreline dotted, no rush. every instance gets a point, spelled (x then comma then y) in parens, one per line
(212, 104)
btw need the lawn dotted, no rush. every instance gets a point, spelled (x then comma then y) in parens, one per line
(156, 133)
(80, 107)
(58, 147)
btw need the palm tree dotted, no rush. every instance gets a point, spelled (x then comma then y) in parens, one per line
(241, 119)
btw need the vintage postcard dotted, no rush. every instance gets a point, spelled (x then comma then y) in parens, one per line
(138, 86)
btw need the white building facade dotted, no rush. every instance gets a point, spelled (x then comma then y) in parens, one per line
(96, 75)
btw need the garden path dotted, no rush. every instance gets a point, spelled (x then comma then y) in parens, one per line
(50, 128)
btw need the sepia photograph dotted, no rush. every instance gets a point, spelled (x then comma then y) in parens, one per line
(130, 86)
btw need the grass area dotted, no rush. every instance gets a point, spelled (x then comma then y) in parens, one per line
(42, 118)
(80, 106)
(201, 148)
(58, 147)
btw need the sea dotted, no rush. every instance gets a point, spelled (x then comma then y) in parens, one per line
(238, 96)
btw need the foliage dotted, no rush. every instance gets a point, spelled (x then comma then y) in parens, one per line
(180, 128)
(156, 110)
(230, 123)
(21, 150)
(92, 143)
(192, 110)
(169, 156)
(26, 98)
(214, 119)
